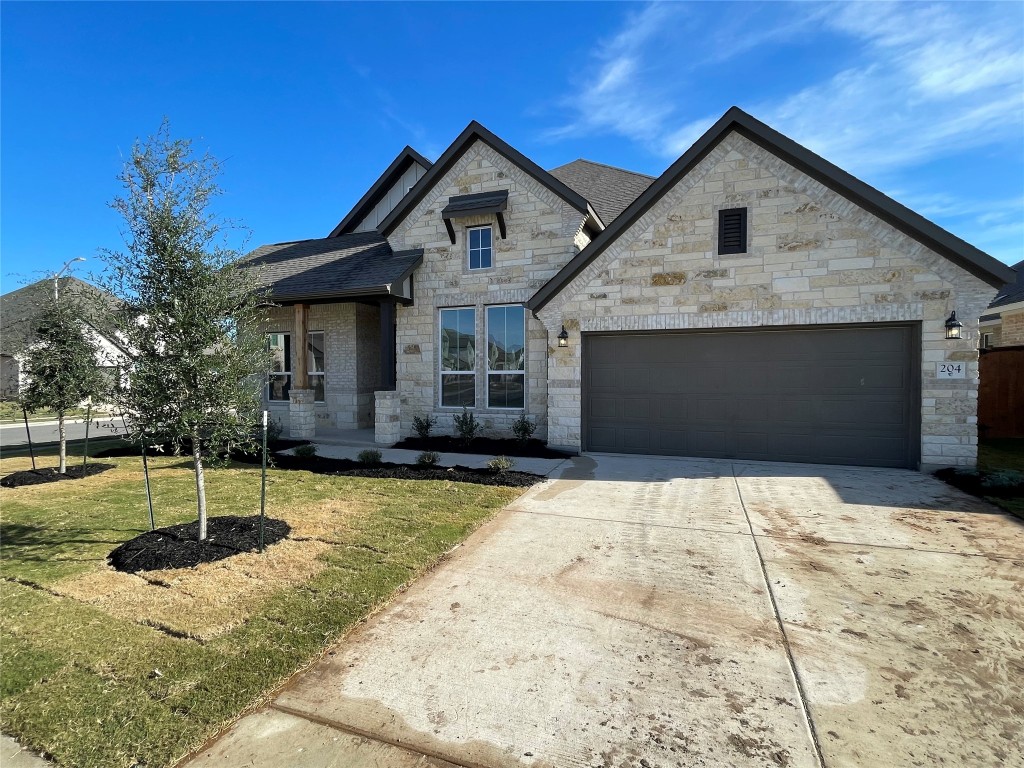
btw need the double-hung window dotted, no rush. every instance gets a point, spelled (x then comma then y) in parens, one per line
(281, 365)
(506, 357)
(458, 357)
(480, 251)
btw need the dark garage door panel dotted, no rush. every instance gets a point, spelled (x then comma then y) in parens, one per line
(823, 395)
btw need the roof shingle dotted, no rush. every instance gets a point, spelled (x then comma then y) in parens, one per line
(346, 266)
(610, 190)
(1013, 291)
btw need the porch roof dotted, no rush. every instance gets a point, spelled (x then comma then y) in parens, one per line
(346, 268)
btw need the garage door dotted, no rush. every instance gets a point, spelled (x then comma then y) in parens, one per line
(823, 395)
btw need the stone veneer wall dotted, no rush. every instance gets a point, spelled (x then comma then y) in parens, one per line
(542, 235)
(1011, 329)
(351, 362)
(813, 257)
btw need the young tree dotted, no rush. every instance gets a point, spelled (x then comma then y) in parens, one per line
(60, 364)
(198, 366)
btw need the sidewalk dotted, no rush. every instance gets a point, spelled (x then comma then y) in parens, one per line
(13, 755)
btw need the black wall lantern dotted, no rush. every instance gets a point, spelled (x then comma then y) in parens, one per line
(954, 328)
(563, 338)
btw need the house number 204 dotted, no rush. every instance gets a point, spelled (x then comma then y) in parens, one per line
(951, 370)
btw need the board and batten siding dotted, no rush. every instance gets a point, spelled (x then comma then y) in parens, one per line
(393, 197)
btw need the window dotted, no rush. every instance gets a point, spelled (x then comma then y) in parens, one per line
(732, 230)
(986, 341)
(315, 363)
(506, 357)
(281, 365)
(479, 241)
(458, 357)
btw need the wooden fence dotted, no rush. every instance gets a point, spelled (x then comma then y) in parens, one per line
(1001, 392)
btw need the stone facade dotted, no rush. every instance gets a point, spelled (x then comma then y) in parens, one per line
(543, 233)
(351, 363)
(813, 257)
(387, 417)
(1011, 329)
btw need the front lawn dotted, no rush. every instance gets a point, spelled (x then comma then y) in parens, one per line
(102, 668)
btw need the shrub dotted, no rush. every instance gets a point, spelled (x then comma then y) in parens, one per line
(422, 425)
(501, 464)
(274, 431)
(305, 451)
(466, 426)
(523, 428)
(428, 458)
(369, 456)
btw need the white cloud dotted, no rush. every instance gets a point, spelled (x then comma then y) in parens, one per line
(928, 80)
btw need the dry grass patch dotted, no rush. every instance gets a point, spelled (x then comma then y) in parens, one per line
(202, 602)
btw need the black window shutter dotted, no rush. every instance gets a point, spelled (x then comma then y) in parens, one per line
(732, 230)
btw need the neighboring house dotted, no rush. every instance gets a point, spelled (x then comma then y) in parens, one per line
(753, 302)
(1003, 323)
(19, 311)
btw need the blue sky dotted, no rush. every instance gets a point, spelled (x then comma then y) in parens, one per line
(308, 103)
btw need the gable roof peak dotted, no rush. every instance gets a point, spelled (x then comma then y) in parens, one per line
(406, 158)
(929, 234)
(476, 131)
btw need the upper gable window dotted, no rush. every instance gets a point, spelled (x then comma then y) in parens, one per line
(732, 230)
(480, 251)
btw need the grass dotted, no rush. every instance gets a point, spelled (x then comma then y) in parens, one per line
(1003, 454)
(105, 669)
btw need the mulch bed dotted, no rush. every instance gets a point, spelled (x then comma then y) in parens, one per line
(1003, 485)
(325, 466)
(133, 449)
(322, 465)
(178, 546)
(51, 475)
(490, 446)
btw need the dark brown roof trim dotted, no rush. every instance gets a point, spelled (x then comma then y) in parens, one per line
(474, 131)
(393, 173)
(961, 253)
(479, 204)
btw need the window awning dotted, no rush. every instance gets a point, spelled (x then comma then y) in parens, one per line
(479, 204)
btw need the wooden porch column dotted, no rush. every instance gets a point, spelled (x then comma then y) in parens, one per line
(300, 342)
(387, 345)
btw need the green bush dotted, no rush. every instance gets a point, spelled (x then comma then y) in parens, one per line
(274, 430)
(523, 428)
(305, 451)
(428, 458)
(422, 425)
(501, 464)
(370, 456)
(466, 426)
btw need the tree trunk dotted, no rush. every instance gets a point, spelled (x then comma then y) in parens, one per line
(197, 461)
(63, 437)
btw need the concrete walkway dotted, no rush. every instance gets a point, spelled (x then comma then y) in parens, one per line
(641, 611)
(13, 755)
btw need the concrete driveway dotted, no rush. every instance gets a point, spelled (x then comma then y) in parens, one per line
(643, 611)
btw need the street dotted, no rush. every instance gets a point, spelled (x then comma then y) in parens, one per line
(13, 435)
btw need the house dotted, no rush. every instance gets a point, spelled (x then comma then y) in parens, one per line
(1002, 325)
(19, 310)
(754, 301)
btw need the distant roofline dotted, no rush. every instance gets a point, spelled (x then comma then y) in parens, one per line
(603, 165)
(375, 193)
